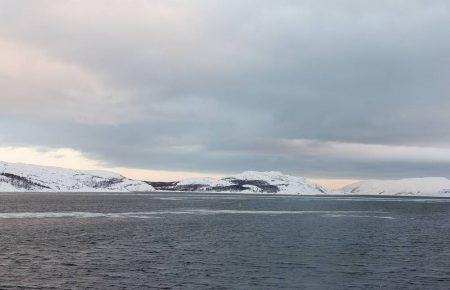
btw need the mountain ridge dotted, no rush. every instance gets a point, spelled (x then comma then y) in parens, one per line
(424, 186)
(19, 177)
(271, 182)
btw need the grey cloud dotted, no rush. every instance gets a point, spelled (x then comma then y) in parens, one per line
(217, 86)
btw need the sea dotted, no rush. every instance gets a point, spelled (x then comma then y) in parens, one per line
(222, 241)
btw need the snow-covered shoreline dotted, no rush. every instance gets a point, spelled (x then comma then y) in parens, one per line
(16, 177)
(426, 186)
(247, 182)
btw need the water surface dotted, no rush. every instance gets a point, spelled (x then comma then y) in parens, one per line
(223, 241)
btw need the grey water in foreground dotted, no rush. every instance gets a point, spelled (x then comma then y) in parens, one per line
(223, 241)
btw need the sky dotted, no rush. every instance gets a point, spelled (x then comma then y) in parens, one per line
(332, 90)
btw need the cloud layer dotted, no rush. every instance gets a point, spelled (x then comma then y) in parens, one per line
(320, 88)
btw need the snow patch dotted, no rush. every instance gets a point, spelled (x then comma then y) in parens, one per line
(17, 177)
(207, 181)
(427, 186)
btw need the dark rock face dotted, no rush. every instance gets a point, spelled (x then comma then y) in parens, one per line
(106, 183)
(22, 182)
(173, 186)
(320, 189)
(162, 185)
(261, 184)
(237, 186)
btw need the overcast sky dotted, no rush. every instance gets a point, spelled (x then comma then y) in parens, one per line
(323, 89)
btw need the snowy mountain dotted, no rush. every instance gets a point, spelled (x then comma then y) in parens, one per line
(428, 186)
(246, 182)
(15, 177)
(29, 178)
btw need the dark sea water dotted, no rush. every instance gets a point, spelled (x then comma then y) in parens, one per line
(223, 241)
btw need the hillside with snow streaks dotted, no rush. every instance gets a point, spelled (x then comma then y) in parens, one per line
(247, 182)
(15, 177)
(427, 186)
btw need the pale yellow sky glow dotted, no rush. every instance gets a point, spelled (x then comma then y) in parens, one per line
(70, 158)
(63, 157)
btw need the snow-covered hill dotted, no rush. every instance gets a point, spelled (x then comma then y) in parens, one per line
(15, 177)
(246, 182)
(428, 186)
(22, 177)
